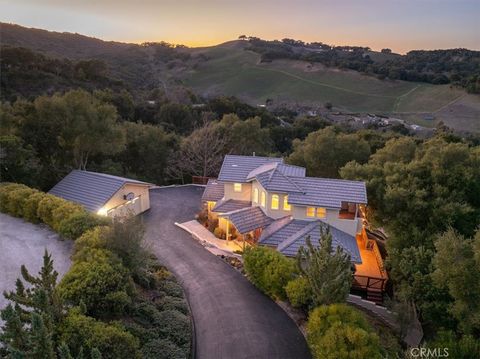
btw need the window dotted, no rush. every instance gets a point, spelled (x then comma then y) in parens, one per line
(275, 201)
(321, 212)
(286, 205)
(237, 187)
(264, 199)
(255, 195)
(310, 211)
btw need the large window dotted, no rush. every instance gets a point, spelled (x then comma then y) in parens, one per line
(237, 187)
(275, 201)
(264, 199)
(286, 205)
(255, 195)
(321, 212)
(310, 211)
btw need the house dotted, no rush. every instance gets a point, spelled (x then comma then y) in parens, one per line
(104, 194)
(262, 200)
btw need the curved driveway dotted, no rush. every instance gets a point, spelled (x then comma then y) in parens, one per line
(232, 318)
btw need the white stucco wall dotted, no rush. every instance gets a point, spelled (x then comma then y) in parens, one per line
(141, 205)
(244, 195)
(351, 226)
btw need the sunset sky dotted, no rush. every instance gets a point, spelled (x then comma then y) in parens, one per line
(399, 24)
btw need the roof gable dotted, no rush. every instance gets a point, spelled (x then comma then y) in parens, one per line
(248, 219)
(237, 168)
(214, 191)
(90, 189)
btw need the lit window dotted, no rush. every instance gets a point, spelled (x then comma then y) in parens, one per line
(275, 201)
(255, 195)
(264, 199)
(321, 212)
(310, 211)
(286, 205)
(237, 187)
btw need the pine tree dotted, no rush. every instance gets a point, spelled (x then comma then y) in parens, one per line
(64, 352)
(95, 354)
(40, 339)
(329, 274)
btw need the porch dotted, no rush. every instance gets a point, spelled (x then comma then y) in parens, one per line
(370, 276)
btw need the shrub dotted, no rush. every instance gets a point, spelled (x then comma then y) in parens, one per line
(162, 349)
(16, 200)
(464, 347)
(31, 207)
(219, 233)
(5, 190)
(299, 292)
(174, 326)
(100, 281)
(111, 340)
(172, 303)
(171, 288)
(78, 223)
(63, 212)
(46, 207)
(268, 270)
(94, 238)
(341, 332)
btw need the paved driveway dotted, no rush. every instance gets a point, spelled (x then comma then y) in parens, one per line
(24, 243)
(232, 318)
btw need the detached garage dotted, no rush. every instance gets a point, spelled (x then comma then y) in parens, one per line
(104, 194)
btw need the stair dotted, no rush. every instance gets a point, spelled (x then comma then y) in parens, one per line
(375, 295)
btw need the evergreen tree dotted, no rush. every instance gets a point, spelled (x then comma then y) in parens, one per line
(328, 272)
(40, 339)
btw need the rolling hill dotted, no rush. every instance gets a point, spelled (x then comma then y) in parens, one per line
(232, 69)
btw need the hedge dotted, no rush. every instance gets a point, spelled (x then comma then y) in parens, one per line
(68, 219)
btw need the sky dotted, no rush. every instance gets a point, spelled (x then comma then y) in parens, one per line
(401, 25)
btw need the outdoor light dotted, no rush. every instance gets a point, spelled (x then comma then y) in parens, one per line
(102, 211)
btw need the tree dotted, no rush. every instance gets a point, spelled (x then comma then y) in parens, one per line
(82, 125)
(341, 332)
(175, 117)
(328, 271)
(33, 314)
(457, 263)
(201, 153)
(147, 151)
(242, 37)
(334, 149)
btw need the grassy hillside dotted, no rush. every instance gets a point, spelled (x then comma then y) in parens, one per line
(231, 69)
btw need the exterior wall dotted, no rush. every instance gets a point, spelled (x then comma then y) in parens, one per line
(140, 205)
(244, 195)
(274, 213)
(350, 226)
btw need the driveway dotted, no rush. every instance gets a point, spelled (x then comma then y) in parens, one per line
(24, 243)
(232, 318)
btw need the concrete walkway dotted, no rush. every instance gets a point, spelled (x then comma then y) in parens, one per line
(208, 239)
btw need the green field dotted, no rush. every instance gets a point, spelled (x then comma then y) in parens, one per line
(231, 70)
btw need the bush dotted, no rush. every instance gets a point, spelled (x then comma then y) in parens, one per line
(46, 207)
(100, 281)
(268, 270)
(111, 340)
(94, 238)
(299, 293)
(171, 288)
(31, 207)
(63, 212)
(172, 303)
(17, 199)
(341, 332)
(464, 347)
(5, 190)
(174, 326)
(78, 223)
(219, 233)
(162, 349)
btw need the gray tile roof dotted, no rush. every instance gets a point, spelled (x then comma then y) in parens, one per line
(230, 205)
(237, 168)
(325, 192)
(248, 219)
(90, 189)
(214, 191)
(291, 235)
(275, 180)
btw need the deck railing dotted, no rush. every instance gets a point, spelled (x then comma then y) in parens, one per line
(365, 282)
